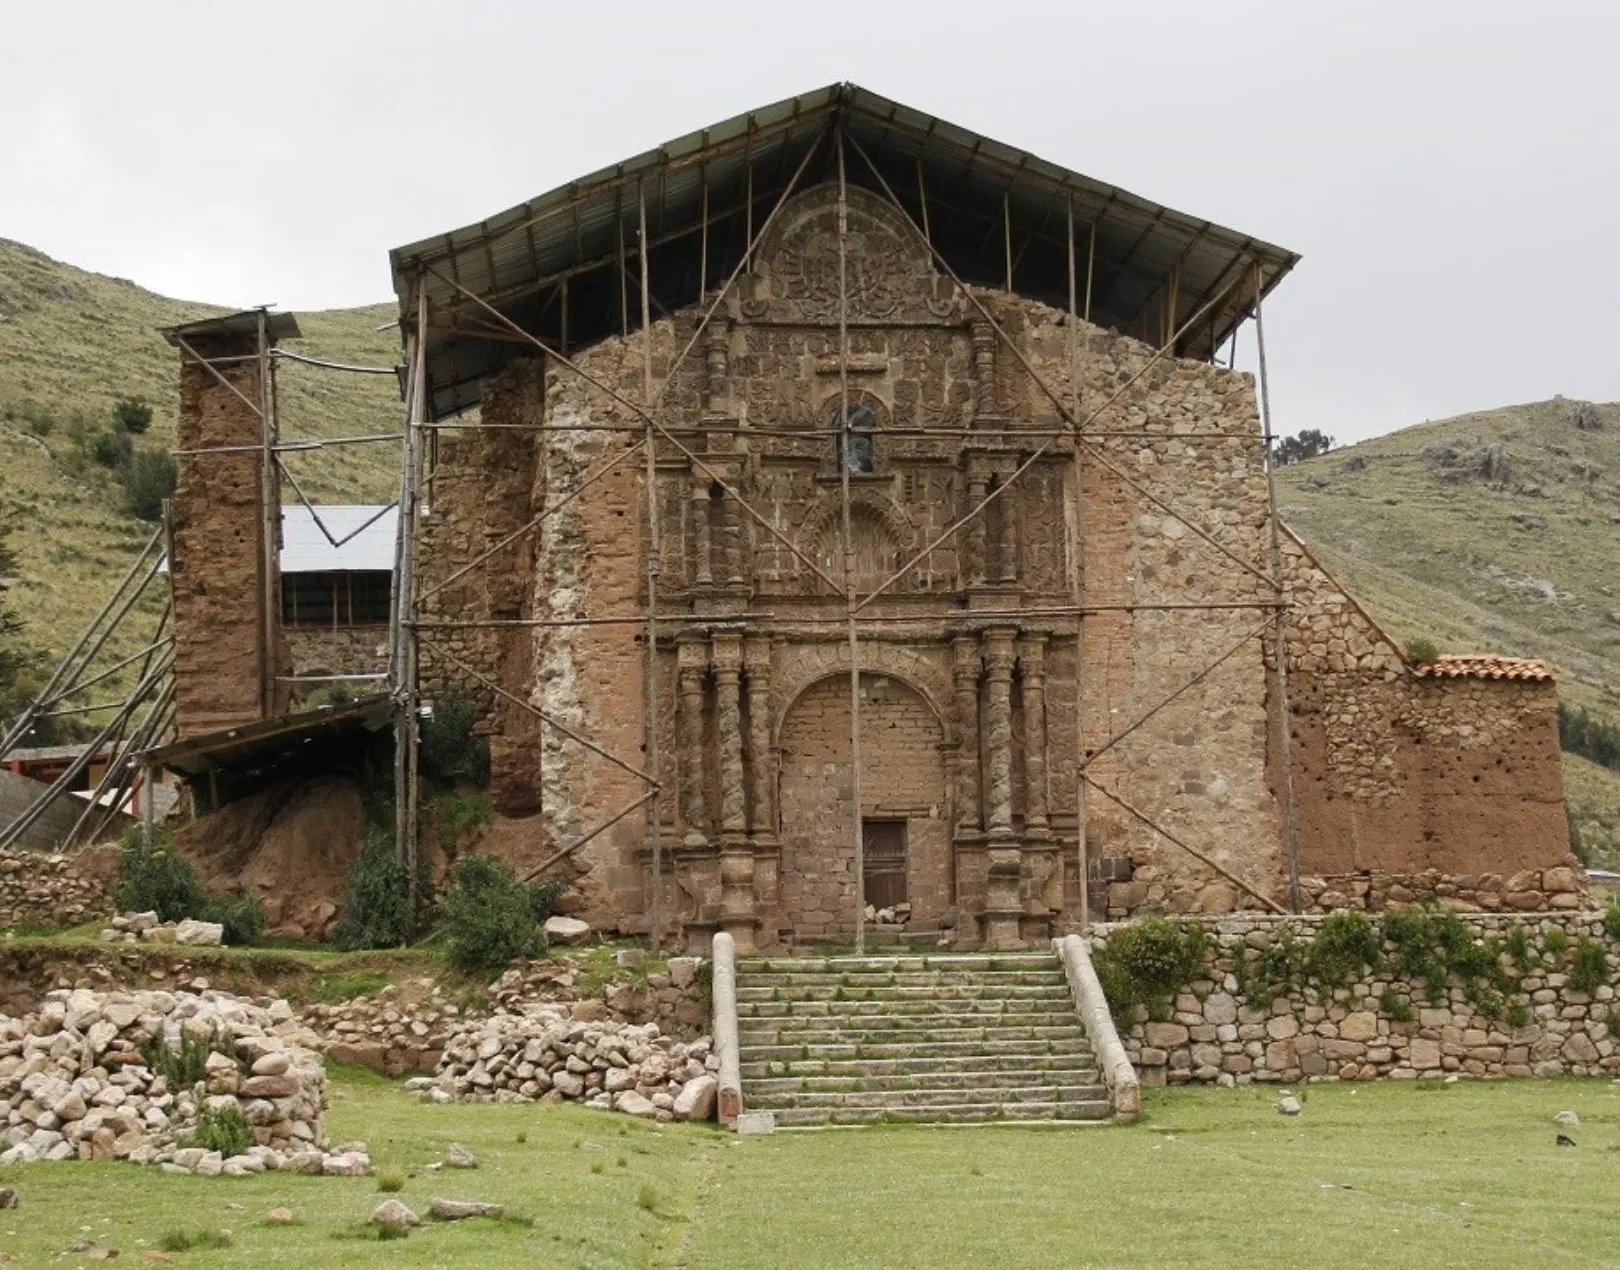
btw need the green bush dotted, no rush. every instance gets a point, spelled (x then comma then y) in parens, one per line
(156, 878)
(1557, 941)
(1148, 962)
(226, 1131)
(149, 478)
(488, 915)
(1397, 1007)
(458, 815)
(1611, 920)
(450, 749)
(1275, 971)
(242, 916)
(377, 903)
(1420, 652)
(1344, 945)
(132, 414)
(112, 449)
(1517, 944)
(1589, 967)
(183, 1065)
(543, 897)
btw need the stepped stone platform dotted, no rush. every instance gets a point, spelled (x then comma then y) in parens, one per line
(862, 1040)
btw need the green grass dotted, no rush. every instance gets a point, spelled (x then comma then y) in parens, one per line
(1369, 1175)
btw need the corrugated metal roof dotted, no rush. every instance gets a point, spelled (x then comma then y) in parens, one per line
(1486, 666)
(365, 535)
(552, 264)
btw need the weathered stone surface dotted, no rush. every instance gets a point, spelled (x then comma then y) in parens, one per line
(567, 930)
(393, 1213)
(461, 1209)
(697, 1098)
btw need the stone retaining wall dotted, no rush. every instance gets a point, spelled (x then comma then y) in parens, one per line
(55, 890)
(1560, 889)
(1216, 1035)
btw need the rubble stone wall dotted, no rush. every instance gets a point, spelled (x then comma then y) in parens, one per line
(1216, 1034)
(64, 889)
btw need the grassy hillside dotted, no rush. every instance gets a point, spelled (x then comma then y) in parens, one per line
(1492, 531)
(71, 344)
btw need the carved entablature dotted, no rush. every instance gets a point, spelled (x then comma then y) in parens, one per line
(887, 271)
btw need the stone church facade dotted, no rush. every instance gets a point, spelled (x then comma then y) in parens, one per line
(980, 684)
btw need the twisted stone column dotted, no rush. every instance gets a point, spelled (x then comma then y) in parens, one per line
(984, 369)
(1032, 658)
(1007, 549)
(717, 367)
(761, 809)
(965, 681)
(998, 661)
(692, 662)
(975, 570)
(728, 734)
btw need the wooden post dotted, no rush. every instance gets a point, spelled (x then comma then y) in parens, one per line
(1077, 589)
(656, 815)
(269, 525)
(844, 438)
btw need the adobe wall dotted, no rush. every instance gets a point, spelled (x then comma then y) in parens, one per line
(1381, 1024)
(216, 562)
(1402, 772)
(1170, 657)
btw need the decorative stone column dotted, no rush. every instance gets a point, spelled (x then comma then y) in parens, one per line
(692, 664)
(703, 564)
(998, 661)
(717, 367)
(965, 680)
(737, 915)
(975, 570)
(761, 805)
(1007, 548)
(984, 369)
(1032, 661)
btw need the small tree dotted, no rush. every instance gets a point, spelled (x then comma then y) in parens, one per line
(110, 448)
(148, 480)
(377, 906)
(1303, 445)
(489, 916)
(133, 415)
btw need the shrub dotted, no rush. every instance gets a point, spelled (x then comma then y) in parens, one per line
(242, 916)
(459, 814)
(1518, 1015)
(110, 448)
(183, 1240)
(1148, 962)
(450, 750)
(1589, 968)
(1420, 652)
(1557, 941)
(132, 414)
(488, 915)
(1395, 1006)
(155, 877)
(1611, 920)
(226, 1131)
(389, 1182)
(1345, 944)
(183, 1065)
(1517, 944)
(149, 479)
(377, 903)
(543, 897)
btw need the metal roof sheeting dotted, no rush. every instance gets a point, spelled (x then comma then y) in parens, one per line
(552, 264)
(305, 549)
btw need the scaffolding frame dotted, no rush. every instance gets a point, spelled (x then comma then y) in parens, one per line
(647, 430)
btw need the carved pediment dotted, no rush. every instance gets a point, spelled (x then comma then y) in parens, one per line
(888, 273)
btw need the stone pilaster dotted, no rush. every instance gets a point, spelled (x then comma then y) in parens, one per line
(1007, 547)
(1032, 662)
(965, 680)
(692, 664)
(998, 661)
(975, 571)
(703, 562)
(717, 367)
(728, 734)
(984, 370)
(761, 806)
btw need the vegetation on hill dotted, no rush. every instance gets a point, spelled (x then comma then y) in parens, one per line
(1493, 531)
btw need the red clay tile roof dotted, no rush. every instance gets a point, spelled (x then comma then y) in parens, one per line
(1485, 666)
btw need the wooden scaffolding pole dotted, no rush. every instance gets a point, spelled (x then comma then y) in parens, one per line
(269, 523)
(1077, 588)
(655, 815)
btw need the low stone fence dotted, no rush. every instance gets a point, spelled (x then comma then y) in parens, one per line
(1489, 1001)
(63, 889)
(1529, 891)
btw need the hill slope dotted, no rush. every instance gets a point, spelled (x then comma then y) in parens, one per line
(1498, 530)
(71, 344)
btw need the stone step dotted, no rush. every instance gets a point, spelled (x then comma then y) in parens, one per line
(899, 961)
(986, 1010)
(1055, 993)
(930, 1097)
(770, 1090)
(890, 1031)
(1045, 977)
(852, 1051)
(974, 1061)
(957, 1113)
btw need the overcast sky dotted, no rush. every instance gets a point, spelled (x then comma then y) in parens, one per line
(1449, 170)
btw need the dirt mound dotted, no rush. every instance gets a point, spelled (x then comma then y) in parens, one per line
(290, 844)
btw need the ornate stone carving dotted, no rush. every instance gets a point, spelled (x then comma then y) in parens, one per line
(984, 370)
(692, 658)
(717, 367)
(965, 682)
(887, 271)
(1007, 522)
(761, 806)
(699, 503)
(998, 661)
(1032, 661)
(975, 563)
(728, 734)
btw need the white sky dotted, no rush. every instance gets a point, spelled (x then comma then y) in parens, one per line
(1449, 169)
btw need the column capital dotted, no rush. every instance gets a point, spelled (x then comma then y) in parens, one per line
(967, 661)
(1032, 653)
(757, 653)
(691, 653)
(728, 652)
(1000, 651)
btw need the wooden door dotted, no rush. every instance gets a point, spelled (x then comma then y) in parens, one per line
(884, 850)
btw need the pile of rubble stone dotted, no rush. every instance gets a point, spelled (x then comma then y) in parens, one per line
(545, 1054)
(78, 1080)
(130, 928)
(889, 914)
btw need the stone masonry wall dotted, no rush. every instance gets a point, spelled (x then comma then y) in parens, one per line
(64, 889)
(1217, 1035)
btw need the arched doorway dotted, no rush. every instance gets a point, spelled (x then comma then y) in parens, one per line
(902, 806)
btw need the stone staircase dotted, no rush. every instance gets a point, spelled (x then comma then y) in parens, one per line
(858, 1040)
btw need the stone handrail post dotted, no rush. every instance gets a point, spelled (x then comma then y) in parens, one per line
(1117, 1072)
(724, 991)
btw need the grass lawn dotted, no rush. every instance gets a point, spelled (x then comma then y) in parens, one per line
(1387, 1175)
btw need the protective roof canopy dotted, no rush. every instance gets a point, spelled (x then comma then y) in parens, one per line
(364, 533)
(564, 266)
